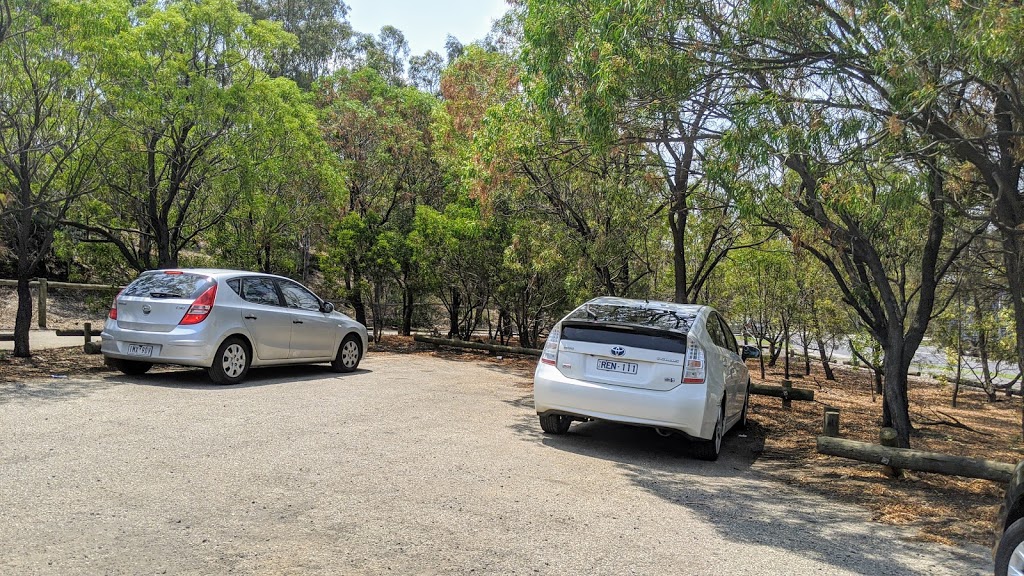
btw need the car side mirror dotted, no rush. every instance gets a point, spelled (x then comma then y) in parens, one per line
(751, 352)
(327, 307)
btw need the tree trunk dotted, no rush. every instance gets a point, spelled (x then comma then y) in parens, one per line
(825, 364)
(453, 315)
(807, 356)
(355, 295)
(23, 318)
(785, 344)
(408, 300)
(677, 225)
(895, 392)
(760, 358)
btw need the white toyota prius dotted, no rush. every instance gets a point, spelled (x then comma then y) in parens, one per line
(673, 367)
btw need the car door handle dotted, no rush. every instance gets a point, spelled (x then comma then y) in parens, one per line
(249, 317)
(296, 321)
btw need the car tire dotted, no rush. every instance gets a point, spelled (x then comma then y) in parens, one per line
(743, 424)
(132, 367)
(554, 423)
(710, 449)
(232, 361)
(350, 352)
(1010, 550)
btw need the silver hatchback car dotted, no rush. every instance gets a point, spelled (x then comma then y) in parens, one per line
(226, 321)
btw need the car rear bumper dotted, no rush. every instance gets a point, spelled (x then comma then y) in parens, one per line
(683, 408)
(184, 346)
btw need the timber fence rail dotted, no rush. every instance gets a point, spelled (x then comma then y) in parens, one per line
(42, 285)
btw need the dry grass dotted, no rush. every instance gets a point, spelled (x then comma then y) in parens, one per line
(945, 509)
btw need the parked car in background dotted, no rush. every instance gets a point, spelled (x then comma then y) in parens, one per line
(673, 367)
(226, 321)
(1009, 545)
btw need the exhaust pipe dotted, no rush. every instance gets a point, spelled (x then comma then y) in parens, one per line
(664, 433)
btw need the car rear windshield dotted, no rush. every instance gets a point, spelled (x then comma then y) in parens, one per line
(634, 316)
(169, 285)
(646, 338)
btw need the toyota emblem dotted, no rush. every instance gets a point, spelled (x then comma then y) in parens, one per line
(146, 309)
(618, 351)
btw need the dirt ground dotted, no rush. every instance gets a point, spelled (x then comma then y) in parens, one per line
(945, 509)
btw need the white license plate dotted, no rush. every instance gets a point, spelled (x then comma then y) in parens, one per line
(140, 350)
(622, 367)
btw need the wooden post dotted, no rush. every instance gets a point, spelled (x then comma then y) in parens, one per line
(830, 422)
(887, 437)
(88, 333)
(42, 302)
(787, 389)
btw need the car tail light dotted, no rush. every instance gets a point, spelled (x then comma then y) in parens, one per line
(113, 307)
(550, 354)
(695, 369)
(201, 308)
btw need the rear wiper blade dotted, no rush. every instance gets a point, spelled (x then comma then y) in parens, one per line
(165, 295)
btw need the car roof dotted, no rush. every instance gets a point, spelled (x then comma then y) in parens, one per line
(665, 316)
(218, 273)
(687, 309)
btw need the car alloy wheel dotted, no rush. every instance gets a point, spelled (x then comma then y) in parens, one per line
(350, 354)
(1015, 567)
(233, 360)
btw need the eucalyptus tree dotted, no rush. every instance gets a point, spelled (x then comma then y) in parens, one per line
(603, 199)
(289, 183)
(877, 223)
(322, 33)
(48, 130)
(180, 88)
(425, 72)
(387, 53)
(923, 69)
(381, 135)
(613, 73)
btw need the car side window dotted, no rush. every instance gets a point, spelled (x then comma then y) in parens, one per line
(295, 296)
(715, 331)
(236, 285)
(260, 291)
(730, 339)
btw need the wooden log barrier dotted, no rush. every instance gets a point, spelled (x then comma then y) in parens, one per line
(830, 422)
(492, 348)
(887, 437)
(918, 460)
(78, 331)
(780, 392)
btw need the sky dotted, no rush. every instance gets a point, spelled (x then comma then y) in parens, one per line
(426, 23)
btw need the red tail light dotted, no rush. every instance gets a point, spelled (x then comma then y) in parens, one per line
(201, 308)
(113, 307)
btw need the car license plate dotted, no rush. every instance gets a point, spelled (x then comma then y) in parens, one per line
(613, 366)
(140, 350)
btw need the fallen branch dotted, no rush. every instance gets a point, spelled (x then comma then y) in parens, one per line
(953, 422)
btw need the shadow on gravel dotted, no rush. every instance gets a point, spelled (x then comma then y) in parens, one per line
(56, 389)
(197, 379)
(744, 505)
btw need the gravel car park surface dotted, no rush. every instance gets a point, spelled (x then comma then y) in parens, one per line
(411, 465)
